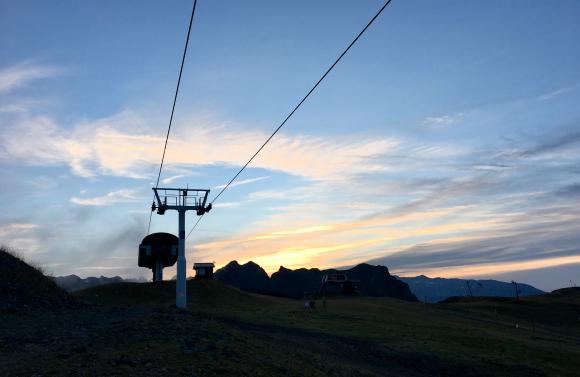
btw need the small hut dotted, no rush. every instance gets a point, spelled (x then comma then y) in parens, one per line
(203, 270)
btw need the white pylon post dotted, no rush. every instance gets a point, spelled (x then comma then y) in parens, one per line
(181, 201)
(181, 288)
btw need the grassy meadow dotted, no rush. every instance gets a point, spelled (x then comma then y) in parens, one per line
(133, 329)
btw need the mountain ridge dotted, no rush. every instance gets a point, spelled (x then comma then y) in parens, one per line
(73, 283)
(374, 281)
(438, 289)
(424, 288)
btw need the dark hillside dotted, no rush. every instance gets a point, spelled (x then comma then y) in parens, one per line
(25, 288)
(567, 293)
(130, 329)
(559, 310)
(208, 293)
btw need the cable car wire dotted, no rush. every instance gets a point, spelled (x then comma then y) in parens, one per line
(173, 107)
(294, 110)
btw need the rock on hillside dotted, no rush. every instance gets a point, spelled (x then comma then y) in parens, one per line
(374, 280)
(25, 288)
(249, 277)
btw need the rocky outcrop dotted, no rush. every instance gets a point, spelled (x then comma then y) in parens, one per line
(378, 282)
(296, 283)
(372, 280)
(249, 277)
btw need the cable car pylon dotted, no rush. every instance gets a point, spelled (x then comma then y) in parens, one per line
(181, 200)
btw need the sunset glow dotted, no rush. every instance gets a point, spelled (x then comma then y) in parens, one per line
(450, 155)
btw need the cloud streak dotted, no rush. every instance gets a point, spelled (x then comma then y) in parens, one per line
(172, 179)
(119, 196)
(14, 228)
(118, 146)
(556, 93)
(21, 74)
(243, 182)
(443, 121)
(413, 205)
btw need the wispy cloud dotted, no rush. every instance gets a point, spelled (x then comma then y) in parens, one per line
(487, 270)
(442, 121)
(45, 145)
(119, 146)
(441, 203)
(553, 145)
(282, 233)
(322, 245)
(172, 179)
(21, 74)
(119, 196)
(445, 241)
(11, 105)
(12, 108)
(555, 93)
(228, 205)
(10, 229)
(572, 190)
(243, 182)
(516, 238)
(122, 145)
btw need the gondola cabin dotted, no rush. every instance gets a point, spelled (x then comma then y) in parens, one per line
(338, 283)
(157, 251)
(203, 270)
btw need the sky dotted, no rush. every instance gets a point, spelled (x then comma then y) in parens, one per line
(445, 143)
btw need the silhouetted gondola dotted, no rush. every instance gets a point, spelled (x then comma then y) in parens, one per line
(157, 251)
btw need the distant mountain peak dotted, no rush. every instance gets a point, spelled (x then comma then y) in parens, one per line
(438, 289)
(73, 283)
(375, 280)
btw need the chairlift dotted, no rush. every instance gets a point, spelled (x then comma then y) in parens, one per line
(157, 251)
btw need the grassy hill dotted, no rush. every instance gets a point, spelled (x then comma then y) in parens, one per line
(25, 288)
(132, 329)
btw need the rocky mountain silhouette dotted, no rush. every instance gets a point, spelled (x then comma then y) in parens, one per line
(73, 283)
(302, 282)
(373, 280)
(296, 283)
(248, 277)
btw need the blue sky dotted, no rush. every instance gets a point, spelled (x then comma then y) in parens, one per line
(446, 142)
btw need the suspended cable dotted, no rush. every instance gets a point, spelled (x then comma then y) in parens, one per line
(293, 110)
(173, 107)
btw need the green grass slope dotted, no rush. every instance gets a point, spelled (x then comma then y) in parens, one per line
(25, 288)
(132, 329)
